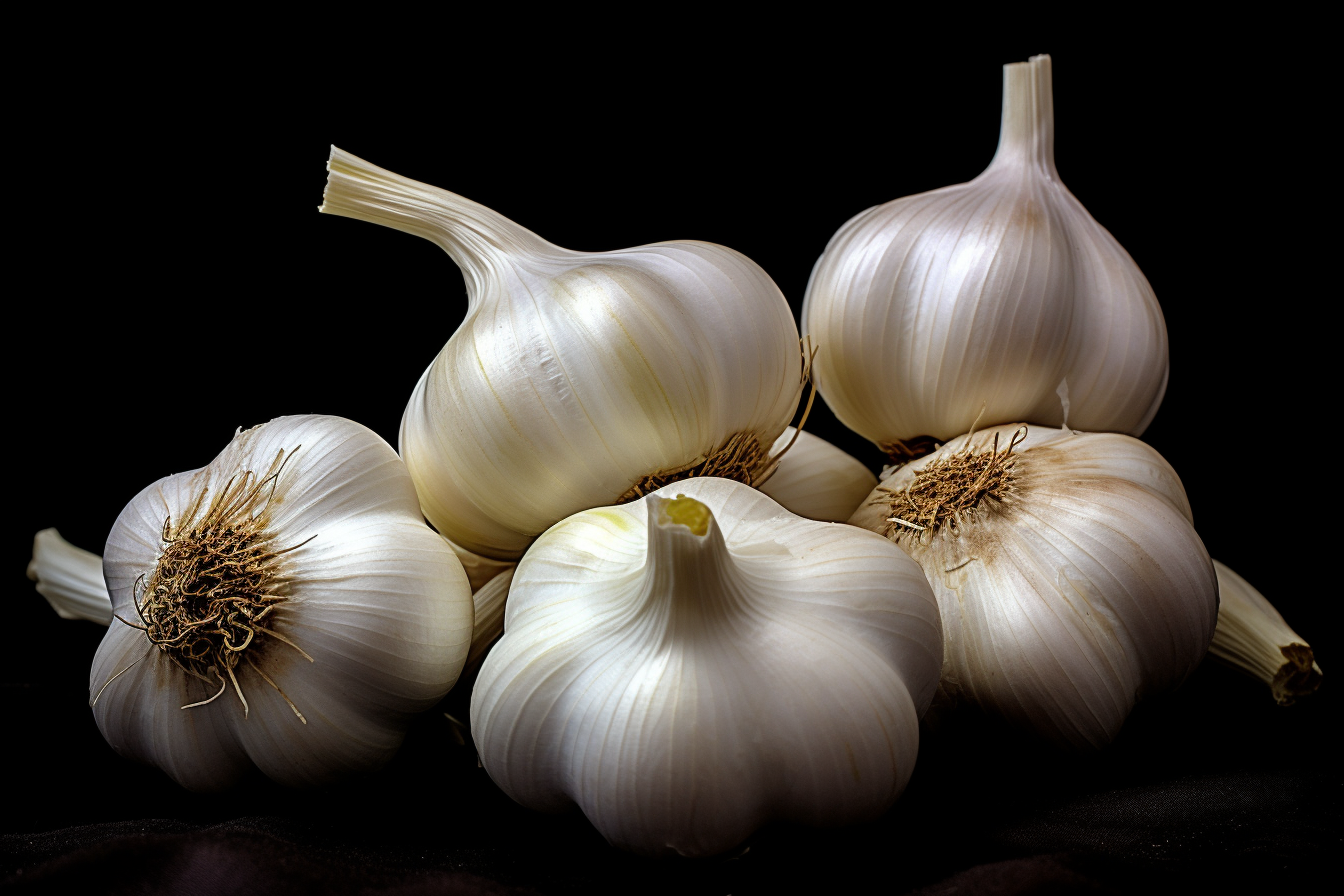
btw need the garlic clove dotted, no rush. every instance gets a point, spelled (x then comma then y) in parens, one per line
(577, 379)
(996, 300)
(357, 614)
(1252, 636)
(70, 578)
(489, 601)
(480, 570)
(815, 479)
(1070, 579)
(688, 666)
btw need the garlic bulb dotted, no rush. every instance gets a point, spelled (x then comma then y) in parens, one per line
(1068, 573)
(687, 668)
(1252, 636)
(578, 379)
(285, 608)
(997, 300)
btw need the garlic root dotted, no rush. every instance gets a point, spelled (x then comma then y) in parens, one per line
(1252, 636)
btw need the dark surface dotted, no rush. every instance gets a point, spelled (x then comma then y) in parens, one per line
(190, 287)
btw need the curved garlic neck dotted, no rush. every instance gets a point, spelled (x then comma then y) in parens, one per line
(690, 578)
(469, 232)
(1027, 131)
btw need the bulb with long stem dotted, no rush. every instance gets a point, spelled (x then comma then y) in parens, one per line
(985, 303)
(579, 379)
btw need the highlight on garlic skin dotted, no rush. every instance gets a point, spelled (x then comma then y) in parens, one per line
(689, 666)
(284, 608)
(1069, 576)
(992, 301)
(578, 379)
(1252, 636)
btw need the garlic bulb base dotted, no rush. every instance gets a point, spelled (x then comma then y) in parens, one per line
(1253, 637)
(70, 578)
(218, 578)
(1070, 579)
(953, 489)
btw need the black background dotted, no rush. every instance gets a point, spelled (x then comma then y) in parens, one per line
(179, 283)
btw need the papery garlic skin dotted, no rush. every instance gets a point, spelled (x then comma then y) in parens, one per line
(1074, 594)
(70, 578)
(377, 600)
(996, 300)
(685, 680)
(1252, 636)
(574, 375)
(817, 480)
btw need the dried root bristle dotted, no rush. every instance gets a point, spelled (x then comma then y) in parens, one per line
(902, 451)
(950, 491)
(740, 458)
(208, 602)
(737, 459)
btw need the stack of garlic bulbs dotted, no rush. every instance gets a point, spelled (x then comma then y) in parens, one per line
(690, 618)
(1070, 576)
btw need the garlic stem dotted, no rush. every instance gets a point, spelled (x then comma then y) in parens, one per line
(469, 232)
(689, 574)
(1027, 130)
(70, 578)
(1252, 636)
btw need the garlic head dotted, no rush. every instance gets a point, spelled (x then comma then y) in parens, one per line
(996, 300)
(691, 665)
(578, 379)
(283, 608)
(1068, 573)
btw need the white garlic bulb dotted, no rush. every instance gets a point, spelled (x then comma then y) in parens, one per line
(1067, 569)
(578, 379)
(996, 300)
(687, 668)
(284, 608)
(1252, 636)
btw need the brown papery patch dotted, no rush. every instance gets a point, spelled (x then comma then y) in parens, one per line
(949, 492)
